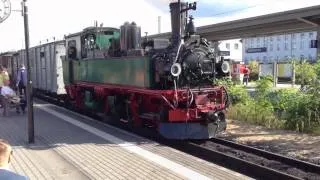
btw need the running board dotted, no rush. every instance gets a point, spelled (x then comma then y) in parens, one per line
(152, 116)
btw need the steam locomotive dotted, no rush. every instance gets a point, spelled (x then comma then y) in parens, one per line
(165, 84)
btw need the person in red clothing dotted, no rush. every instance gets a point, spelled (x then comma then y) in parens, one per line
(246, 73)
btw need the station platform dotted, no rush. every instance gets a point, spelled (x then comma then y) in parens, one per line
(71, 146)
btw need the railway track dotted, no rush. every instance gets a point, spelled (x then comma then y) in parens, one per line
(256, 162)
(247, 160)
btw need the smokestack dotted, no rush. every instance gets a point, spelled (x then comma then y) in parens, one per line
(177, 21)
(159, 24)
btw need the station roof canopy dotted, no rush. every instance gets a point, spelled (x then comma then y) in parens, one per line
(297, 20)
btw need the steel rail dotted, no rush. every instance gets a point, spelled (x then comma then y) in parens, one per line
(234, 163)
(303, 165)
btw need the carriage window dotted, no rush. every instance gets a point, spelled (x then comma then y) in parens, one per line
(72, 49)
(90, 42)
(72, 43)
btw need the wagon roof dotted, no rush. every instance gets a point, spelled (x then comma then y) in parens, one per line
(92, 28)
(9, 53)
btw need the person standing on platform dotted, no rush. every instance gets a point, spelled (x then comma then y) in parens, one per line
(246, 75)
(3, 77)
(5, 159)
(5, 73)
(22, 80)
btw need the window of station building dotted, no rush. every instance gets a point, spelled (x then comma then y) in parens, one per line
(302, 35)
(310, 35)
(294, 45)
(302, 44)
(270, 59)
(271, 47)
(286, 46)
(279, 38)
(236, 46)
(264, 59)
(271, 39)
(228, 45)
(278, 47)
(259, 45)
(286, 57)
(264, 42)
(286, 37)
(258, 40)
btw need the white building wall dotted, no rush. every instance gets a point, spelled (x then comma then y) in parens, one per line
(235, 48)
(281, 47)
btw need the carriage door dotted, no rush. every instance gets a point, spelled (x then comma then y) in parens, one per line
(43, 68)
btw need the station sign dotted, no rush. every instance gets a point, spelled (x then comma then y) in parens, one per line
(224, 53)
(256, 50)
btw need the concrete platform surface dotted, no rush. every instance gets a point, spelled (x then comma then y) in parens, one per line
(72, 146)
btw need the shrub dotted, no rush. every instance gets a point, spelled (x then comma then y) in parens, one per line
(317, 68)
(305, 73)
(280, 98)
(237, 93)
(254, 70)
(284, 108)
(264, 85)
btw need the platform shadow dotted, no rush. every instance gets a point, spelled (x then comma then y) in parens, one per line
(51, 131)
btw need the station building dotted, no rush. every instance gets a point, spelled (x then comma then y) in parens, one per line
(281, 47)
(235, 48)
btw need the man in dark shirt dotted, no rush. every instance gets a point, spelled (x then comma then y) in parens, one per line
(22, 80)
(5, 158)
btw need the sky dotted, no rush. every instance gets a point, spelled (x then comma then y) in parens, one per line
(55, 18)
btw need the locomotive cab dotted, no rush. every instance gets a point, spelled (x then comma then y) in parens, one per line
(96, 41)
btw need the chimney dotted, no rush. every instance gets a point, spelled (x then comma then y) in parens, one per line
(159, 24)
(177, 21)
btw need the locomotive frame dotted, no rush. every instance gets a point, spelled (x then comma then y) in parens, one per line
(108, 70)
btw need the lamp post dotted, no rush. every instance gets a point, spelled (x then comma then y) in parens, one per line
(29, 80)
(293, 79)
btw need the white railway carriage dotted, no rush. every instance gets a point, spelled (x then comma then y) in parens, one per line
(46, 67)
(32, 58)
(49, 67)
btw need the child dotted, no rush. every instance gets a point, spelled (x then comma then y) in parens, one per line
(8, 96)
